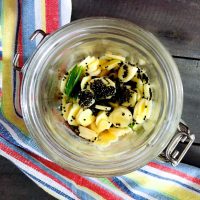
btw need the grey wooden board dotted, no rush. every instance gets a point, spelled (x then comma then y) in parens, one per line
(193, 155)
(190, 74)
(14, 185)
(176, 23)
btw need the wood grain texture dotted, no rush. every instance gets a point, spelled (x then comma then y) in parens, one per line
(14, 185)
(175, 22)
(192, 157)
(190, 74)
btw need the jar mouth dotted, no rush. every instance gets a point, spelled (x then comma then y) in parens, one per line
(101, 30)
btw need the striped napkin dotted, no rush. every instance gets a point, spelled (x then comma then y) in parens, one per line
(154, 181)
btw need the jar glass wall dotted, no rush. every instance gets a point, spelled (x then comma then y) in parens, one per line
(63, 49)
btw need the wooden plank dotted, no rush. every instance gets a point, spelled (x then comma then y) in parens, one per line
(190, 74)
(192, 156)
(176, 23)
(15, 185)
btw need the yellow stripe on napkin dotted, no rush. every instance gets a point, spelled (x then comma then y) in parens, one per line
(43, 15)
(9, 30)
(164, 186)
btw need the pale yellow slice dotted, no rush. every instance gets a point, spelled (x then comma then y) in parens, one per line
(121, 117)
(85, 81)
(126, 74)
(85, 117)
(119, 131)
(87, 133)
(72, 114)
(105, 139)
(65, 110)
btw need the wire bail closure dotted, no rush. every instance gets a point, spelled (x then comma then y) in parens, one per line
(171, 153)
(32, 37)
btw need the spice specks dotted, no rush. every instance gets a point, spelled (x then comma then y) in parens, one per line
(101, 90)
(86, 98)
(125, 67)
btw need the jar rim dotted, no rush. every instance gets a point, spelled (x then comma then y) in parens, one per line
(177, 92)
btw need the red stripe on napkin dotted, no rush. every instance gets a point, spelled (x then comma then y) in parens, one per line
(20, 51)
(20, 44)
(80, 180)
(30, 164)
(52, 15)
(174, 171)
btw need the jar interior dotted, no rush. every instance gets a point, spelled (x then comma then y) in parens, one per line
(66, 57)
(66, 48)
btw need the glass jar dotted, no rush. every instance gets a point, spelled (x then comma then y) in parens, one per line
(63, 49)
